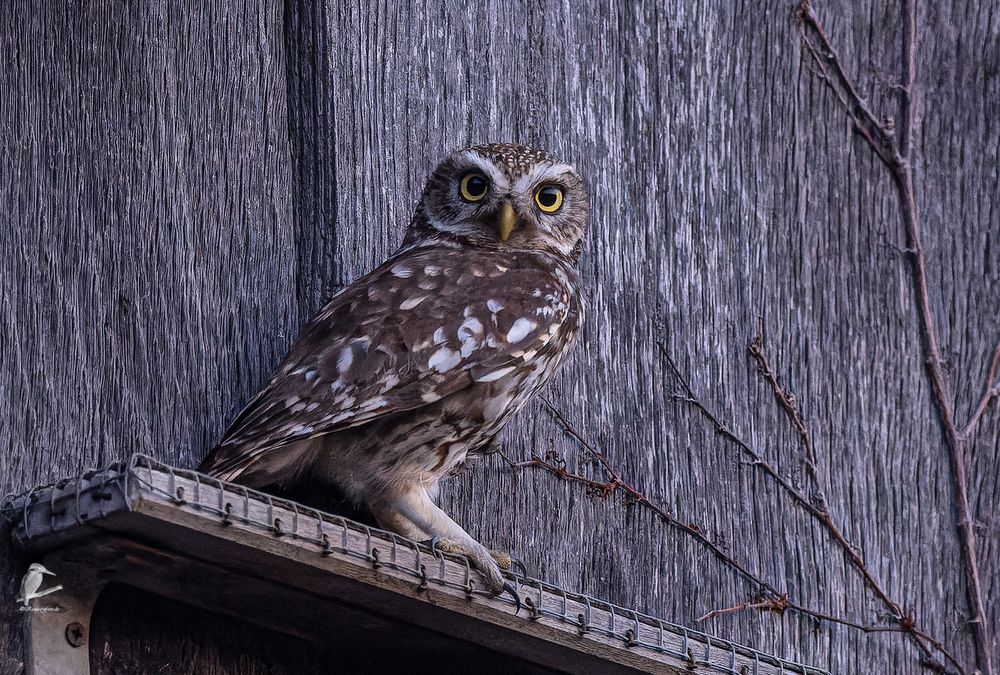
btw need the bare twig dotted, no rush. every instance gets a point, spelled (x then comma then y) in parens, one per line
(555, 465)
(992, 391)
(896, 154)
(770, 598)
(778, 605)
(815, 506)
(781, 604)
(788, 404)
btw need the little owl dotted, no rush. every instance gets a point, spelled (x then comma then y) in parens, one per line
(423, 360)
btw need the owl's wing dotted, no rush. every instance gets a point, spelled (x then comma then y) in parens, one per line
(426, 324)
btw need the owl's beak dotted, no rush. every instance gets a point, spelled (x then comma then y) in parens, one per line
(506, 221)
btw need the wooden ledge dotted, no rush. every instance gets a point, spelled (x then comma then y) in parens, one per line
(291, 568)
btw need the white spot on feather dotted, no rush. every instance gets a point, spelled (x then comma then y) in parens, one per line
(444, 360)
(402, 271)
(430, 396)
(495, 375)
(345, 359)
(373, 404)
(494, 305)
(520, 330)
(410, 303)
(471, 326)
(468, 335)
(391, 380)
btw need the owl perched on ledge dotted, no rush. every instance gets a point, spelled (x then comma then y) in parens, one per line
(423, 360)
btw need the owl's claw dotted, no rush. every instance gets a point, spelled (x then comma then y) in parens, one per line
(514, 562)
(510, 589)
(488, 562)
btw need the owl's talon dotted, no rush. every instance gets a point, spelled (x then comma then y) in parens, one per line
(489, 563)
(511, 590)
(514, 562)
(503, 560)
(509, 563)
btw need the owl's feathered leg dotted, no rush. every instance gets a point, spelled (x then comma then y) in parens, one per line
(412, 513)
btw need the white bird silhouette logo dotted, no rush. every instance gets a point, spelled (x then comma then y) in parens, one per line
(32, 581)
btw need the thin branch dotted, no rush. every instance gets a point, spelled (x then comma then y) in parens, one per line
(992, 391)
(777, 605)
(782, 604)
(897, 157)
(557, 466)
(878, 136)
(816, 506)
(772, 599)
(788, 403)
(720, 427)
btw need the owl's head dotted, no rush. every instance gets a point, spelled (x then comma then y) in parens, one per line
(503, 197)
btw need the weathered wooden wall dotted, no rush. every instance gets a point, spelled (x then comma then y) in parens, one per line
(181, 184)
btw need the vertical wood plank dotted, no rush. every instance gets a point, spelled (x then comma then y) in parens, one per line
(149, 256)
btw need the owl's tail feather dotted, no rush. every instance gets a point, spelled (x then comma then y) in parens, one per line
(274, 466)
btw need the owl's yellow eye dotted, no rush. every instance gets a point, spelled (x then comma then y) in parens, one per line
(549, 198)
(474, 187)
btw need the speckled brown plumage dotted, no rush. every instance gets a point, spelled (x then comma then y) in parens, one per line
(424, 359)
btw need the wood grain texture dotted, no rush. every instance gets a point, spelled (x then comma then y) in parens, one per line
(182, 186)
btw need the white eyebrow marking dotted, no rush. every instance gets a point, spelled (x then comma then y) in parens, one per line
(489, 168)
(540, 174)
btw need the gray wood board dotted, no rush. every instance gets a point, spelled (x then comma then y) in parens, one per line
(289, 568)
(182, 186)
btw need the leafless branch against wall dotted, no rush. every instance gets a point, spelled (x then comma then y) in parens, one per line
(786, 400)
(892, 144)
(769, 597)
(991, 391)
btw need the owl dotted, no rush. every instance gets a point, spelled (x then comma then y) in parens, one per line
(420, 362)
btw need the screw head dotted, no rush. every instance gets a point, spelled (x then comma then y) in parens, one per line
(76, 634)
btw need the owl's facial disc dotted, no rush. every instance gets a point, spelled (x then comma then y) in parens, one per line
(505, 197)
